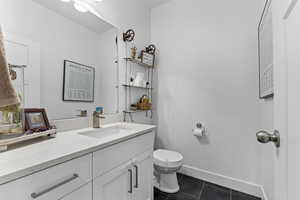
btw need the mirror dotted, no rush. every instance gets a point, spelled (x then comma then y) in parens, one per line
(71, 56)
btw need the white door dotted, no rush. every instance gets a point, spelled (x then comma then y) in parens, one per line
(115, 185)
(292, 34)
(84, 193)
(274, 114)
(21, 51)
(143, 177)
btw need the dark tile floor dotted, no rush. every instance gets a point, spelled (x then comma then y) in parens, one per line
(194, 189)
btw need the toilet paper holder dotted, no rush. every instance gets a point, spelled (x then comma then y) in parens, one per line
(199, 130)
(199, 125)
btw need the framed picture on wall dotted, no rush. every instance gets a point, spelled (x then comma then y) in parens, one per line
(266, 58)
(78, 82)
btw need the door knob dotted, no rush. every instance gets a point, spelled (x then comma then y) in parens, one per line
(266, 137)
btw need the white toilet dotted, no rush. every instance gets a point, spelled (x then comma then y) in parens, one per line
(166, 164)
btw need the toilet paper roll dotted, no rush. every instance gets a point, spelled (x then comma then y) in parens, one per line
(198, 132)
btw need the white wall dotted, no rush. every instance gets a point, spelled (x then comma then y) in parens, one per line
(208, 73)
(123, 14)
(59, 39)
(108, 78)
(129, 14)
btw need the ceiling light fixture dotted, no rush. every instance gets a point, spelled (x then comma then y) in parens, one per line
(83, 5)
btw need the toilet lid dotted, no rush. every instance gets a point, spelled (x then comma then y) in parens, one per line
(166, 158)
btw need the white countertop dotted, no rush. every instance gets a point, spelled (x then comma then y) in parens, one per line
(67, 145)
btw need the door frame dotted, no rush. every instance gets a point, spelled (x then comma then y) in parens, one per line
(33, 67)
(281, 12)
(291, 140)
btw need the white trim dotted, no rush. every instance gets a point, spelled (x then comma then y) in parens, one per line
(263, 194)
(226, 181)
(32, 74)
(290, 9)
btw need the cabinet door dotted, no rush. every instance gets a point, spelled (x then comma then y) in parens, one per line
(115, 185)
(84, 193)
(143, 176)
(50, 184)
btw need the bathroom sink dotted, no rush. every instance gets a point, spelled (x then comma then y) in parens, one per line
(106, 132)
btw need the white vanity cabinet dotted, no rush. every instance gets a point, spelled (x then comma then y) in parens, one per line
(115, 184)
(121, 171)
(51, 184)
(125, 171)
(83, 193)
(143, 173)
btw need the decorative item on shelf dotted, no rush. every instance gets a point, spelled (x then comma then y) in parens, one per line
(144, 103)
(133, 52)
(151, 49)
(147, 58)
(139, 79)
(129, 35)
(36, 120)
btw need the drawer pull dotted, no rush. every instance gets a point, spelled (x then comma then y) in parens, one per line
(130, 179)
(36, 195)
(136, 176)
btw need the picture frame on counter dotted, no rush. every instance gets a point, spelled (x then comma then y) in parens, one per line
(36, 120)
(148, 58)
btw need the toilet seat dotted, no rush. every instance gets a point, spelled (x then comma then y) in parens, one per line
(166, 158)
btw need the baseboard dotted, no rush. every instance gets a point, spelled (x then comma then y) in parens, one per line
(263, 194)
(233, 183)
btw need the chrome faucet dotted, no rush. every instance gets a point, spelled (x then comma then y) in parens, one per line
(96, 119)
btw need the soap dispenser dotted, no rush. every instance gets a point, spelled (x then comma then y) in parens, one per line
(97, 116)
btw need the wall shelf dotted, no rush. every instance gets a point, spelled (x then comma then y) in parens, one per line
(133, 66)
(135, 111)
(130, 112)
(138, 62)
(139, 87)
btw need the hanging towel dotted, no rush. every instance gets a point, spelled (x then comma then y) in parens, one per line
(8, 96)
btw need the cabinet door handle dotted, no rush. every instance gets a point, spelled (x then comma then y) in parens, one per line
(136, 176)
(130, 181)
(36, 195)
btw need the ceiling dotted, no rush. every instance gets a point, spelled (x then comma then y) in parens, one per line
(154, 3)
(88, 20)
